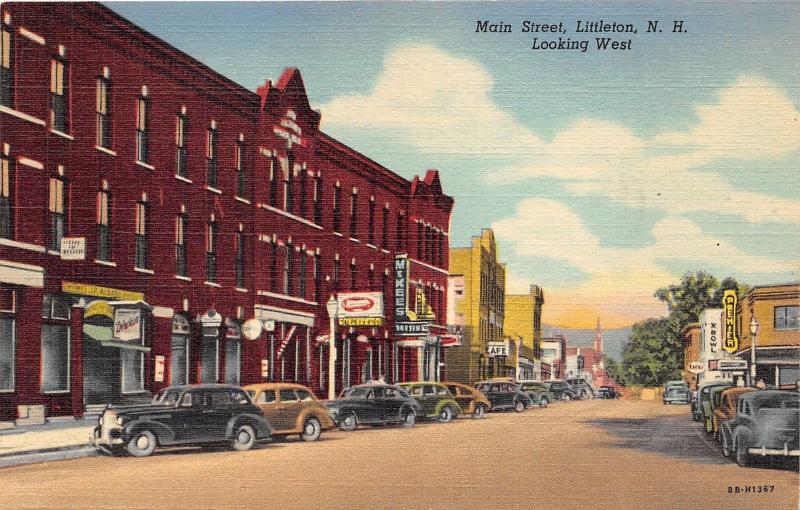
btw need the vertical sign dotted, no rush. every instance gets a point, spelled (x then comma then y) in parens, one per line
(400, 287)
(159, 369)
(731, 341)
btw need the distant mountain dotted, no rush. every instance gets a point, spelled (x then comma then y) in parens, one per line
(614, 340)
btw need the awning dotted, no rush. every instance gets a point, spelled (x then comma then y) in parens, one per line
(103, 334)
(450, 340)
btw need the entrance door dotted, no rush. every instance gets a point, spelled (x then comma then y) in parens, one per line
(101, 373)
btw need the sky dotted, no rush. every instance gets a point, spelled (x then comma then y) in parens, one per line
(605, 174)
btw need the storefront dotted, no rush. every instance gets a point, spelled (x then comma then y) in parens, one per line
(286, 344)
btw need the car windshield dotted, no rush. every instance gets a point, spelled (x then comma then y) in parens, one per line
(356, 392)
(167, 397)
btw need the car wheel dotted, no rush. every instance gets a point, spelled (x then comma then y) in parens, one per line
(727, 451)
(311, 430)
(543, 402)
(243, 438)
(567, 397)
(742, 455)
(480, 412)
(409, 418)
(349, 422)
(519, 406)
(445, 415)
(142, 444)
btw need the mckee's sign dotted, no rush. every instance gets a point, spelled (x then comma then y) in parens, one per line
(731, 341)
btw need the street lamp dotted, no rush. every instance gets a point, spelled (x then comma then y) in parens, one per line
(753, 332)
(333, 310)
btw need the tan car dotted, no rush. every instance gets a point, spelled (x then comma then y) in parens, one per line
(291, 409)
(726, 410)
(471, 400)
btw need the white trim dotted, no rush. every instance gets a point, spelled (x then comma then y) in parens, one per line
(372, 246)
(62, 134)
(240, 289)
(143, 270)
(242, 200)
(338, 234)
(264, 312)
(214, 190)
(384, 250)
(184, 179)
(289, 215)
(23, 116)
(24, 32)
(285, 297)
(145, 165)
(53, 252)
(212, 284)
(107, 151)
(163, 312)
(105, 263)
(30, 162)
(183, 278)
(445, 272)
(355, 240)
(17, 273)
(22, 246)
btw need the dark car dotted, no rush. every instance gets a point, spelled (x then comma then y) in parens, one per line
(505, 395)
(701, 395)
(676, 394)
(561, 390)
(766, 423)
(582, 388)
(181, 415)
(606, 392)
(538, 392)
(436, 400)
(373, 404)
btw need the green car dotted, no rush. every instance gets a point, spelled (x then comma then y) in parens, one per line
(710, 405)
(538, 392)
(436, 400)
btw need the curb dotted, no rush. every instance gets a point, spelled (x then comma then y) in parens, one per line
(46, 455)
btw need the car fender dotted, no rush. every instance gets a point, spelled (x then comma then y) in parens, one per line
(324, 418)
(259, 423)
(453, 405)
(164, 434)
(741, 433)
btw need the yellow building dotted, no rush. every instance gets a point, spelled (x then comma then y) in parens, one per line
(523, 322)
(482, 308)
(777, 312)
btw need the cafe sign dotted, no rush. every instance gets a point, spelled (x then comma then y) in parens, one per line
(730, 341)
(497, 349)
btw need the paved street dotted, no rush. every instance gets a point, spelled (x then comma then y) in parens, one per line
(591, 454)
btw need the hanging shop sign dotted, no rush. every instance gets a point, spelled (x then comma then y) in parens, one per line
(84, 289)
(696, 367)
(127, 324)
(360, 304)
(411, 328)
(180, 325)
(98, 308)
(731, 341)
(406, 322)
(360, 321)
(497, 349)
(158, 368)
(251, 329)
(73, 248)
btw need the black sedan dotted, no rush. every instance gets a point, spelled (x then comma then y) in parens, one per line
(180, 415)
(606, 392)
(562, 390)
(505, 395)
(374, 404)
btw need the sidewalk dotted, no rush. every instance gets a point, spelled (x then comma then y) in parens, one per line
(52, 441)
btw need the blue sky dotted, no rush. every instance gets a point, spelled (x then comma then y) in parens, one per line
(604, 174)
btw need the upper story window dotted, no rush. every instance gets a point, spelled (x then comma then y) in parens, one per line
(317, 277)
(318, 200)
(103, 109)
(142, 121)
(140, 256)
(104, 223)
(303, 192)
(6, 196)
(211, 250)
(273, 181)
(6, 66)
(181, 252)
(57, 213)
(288, 262)
(385, 226)
(354, 214)
(211, 155)
(337, 208)
(239, 259)
(337, 265)
(288, 195)
(301, 277)
(239, 162)
(371, 233)
(353, 274)
(181, 157)
(787, 317)
(59, 95)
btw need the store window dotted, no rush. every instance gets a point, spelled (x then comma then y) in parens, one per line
(132, 370)
(104, 224)
(59, 95)
(103, 110)
(233, 354)
(56, 213)
(6, 66)
(6, 196)
(787, 317)
(7, 338)
(55, 348)
(179, 357)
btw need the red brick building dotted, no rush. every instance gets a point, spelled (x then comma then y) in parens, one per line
(189, 205)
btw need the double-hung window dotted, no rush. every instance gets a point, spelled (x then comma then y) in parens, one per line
(239, 259)
(181, 255)
(273, 181)
(318, 200)
(385, 232)
(211, 251)
(142, 107)
(6, 197)
(288, 263)
(241, 175)
(303, 192)
(211, 156)
(371, 233)
(57, 213)
(337, 209)
(140, 256)
(59, 95)
(104, 224)
(6, 66)
(288, 184)
(103, 111)
(354, 215)
(301, 277)
(181, 164)
(787, 317)
(7, 338)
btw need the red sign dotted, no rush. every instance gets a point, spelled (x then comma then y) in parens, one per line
(360, 304)
(357, 304)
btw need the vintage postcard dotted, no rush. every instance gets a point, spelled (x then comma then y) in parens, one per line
(399, 254)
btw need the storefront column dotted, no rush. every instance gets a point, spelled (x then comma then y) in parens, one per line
(76, 360)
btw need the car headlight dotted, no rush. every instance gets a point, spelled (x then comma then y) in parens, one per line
(100, 421)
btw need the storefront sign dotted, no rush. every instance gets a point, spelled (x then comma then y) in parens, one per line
(98, 307)
(696, 367)
(360, 321)
(360, 304)
(401, 268)
(411, 328)
(73, 248)
(159, 368)
(713, 336)
(265, 368)
(422, 310)
(728, 365)
(251, 329)
(84, 289)
(497, 349)
(211, 319)
(269, 326)
(731, 341)
(127, 324)
(180, 325)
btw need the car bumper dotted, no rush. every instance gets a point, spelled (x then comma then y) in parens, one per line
(107, 439)
(676, 400)
(785, 451)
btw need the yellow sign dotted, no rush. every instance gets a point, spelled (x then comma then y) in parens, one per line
(731, 342)
(84, 289)
(98, 308)
(360, 321)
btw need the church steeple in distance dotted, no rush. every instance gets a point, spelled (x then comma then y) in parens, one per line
(598, 342)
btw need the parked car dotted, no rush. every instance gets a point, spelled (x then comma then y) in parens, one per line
(582, 388)
(436, 400)
(606, 392)
(561, 390)
(766, 423)
(712, 404)
(538, 392)
(374, 404)
(726, 409)
(181, 415)
(472, 401)
(505, 395)
(676, 394)
(702, 396)
(291, 409)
